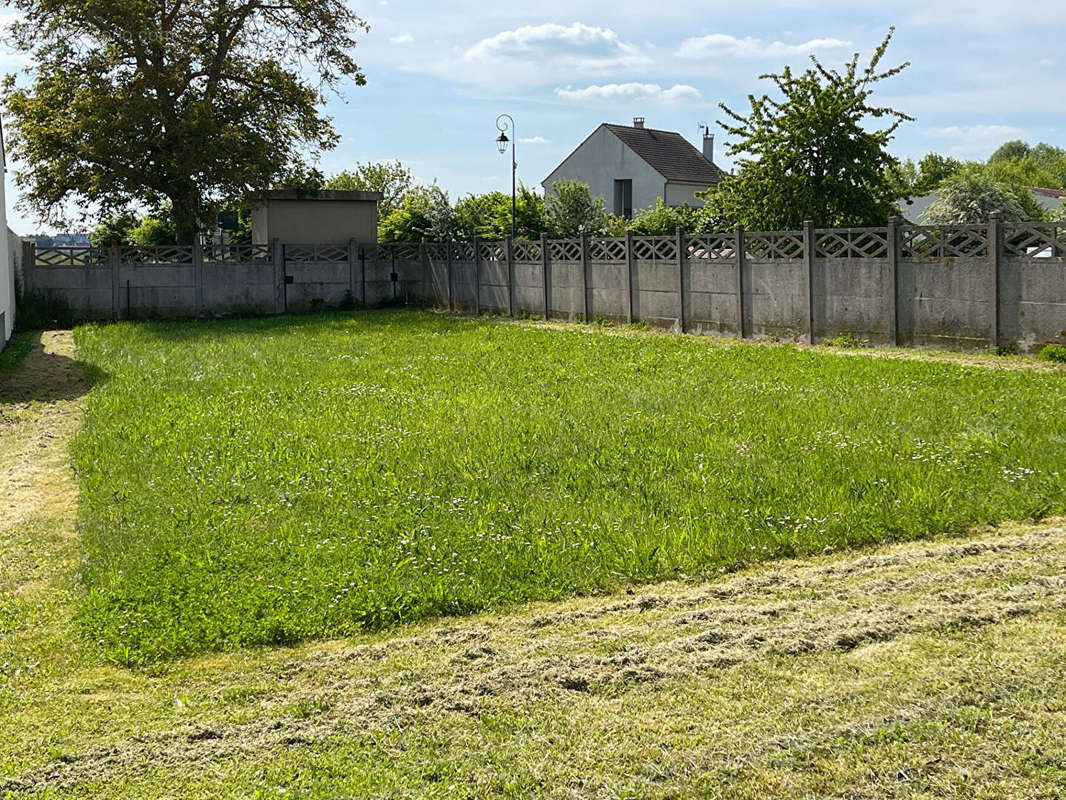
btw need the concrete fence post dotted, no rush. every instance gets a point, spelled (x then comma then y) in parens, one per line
(424, 289)
(630, 261)
(353, 256)
(477, 276)
(362, 273)
(546, 273)
(995, 255)
(892, 239)
(29, 266)
(510, 275)
(808, 263)
(115, 259)
(277, 256)
(682, 284)
(198, 275)
(738, 247)
(586, 307)
(449, 255)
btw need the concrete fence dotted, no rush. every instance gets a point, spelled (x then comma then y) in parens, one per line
(963, 287)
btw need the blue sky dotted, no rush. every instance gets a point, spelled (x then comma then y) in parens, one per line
(439, 73)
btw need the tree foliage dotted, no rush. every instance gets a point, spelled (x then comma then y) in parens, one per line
(425, 214)
(1008, 151)
(809, 155)
(488, 216)
(910, 179)
(391, 178)
(970, 197)
(663, 220)
(194, 103)
(570, 210)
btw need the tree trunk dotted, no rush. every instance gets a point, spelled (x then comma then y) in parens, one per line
(184, 208)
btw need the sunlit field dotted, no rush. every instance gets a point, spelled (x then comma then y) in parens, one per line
(272, 480)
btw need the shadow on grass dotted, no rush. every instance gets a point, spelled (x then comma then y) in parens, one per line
(33, 372)
(191, 330)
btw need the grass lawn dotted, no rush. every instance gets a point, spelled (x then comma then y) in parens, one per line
(912, 670)
(266, 481)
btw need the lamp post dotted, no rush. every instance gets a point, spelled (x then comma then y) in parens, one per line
(501, 143)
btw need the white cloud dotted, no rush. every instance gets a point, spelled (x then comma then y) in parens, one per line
(535, 140)
(723, 46)
(974, 141)
(625, 92)
(404, 38)
(542, 53)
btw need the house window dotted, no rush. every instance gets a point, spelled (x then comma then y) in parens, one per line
(623, 198)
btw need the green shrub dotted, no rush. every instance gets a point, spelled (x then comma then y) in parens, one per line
(1053, 352)
(847, 341)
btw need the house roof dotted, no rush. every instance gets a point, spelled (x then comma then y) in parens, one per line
(1058, 194)
(668, 153)
(316, 194)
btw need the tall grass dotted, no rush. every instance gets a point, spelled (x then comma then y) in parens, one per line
(258, 481)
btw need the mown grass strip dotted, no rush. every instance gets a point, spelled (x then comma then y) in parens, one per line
(258, 481)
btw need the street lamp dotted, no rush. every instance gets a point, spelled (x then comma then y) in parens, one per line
(501, 144)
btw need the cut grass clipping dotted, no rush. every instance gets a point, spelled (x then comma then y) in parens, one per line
(263, 481)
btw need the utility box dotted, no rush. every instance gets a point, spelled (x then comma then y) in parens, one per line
(323, 217)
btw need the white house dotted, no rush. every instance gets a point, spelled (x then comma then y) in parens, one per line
(630, 167)
(7, 261)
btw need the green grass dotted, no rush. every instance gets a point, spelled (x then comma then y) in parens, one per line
(265, 481)
(15, 351)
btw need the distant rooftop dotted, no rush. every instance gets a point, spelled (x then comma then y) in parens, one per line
(1056, 193)
(669, 153)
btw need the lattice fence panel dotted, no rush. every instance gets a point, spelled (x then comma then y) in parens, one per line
(712, 246)
(770, 245)
(564, 249)
(71, 256)
(436, 251)
(464, 251)
(493, 251)
(177, 254)
(402, 251)
(655, 248)
(528, 251)
(307, 253)
(1034, 239)
(958, 241)
(851, 243)
(612, 249)
(237, 253)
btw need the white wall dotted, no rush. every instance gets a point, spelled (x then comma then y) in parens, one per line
(314, 221)
(7, 270)
(601, 160)
(680, 194)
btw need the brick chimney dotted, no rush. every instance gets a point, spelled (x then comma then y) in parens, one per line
(638, 122)
(708, 145)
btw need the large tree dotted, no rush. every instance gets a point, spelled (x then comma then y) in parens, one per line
(191, 103)
(391, 178)
(812, 153)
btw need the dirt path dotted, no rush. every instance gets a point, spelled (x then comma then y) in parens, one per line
(40, 409)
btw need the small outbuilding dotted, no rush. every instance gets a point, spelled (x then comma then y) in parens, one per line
(322, 217)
